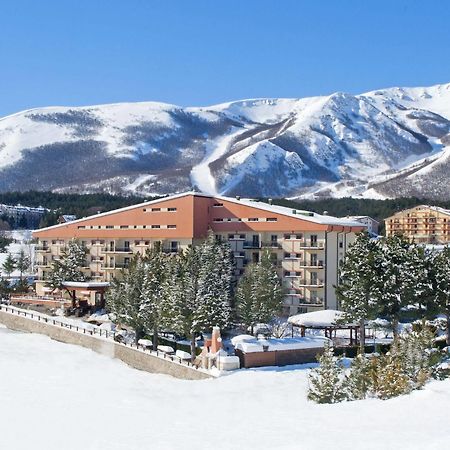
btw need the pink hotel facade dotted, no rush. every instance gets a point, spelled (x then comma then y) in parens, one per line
(306, 247)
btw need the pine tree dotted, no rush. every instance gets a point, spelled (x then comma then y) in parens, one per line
(441, 284)
(125, 298)
(9, 265)
(394, 281)
(392, 381)
(68, 267)
(259, 296)
(326, 382)
(22, 263)
(155, 262)
(214, 285)
(358, 380)
(357, 291)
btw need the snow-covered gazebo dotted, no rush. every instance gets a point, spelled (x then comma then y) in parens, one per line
(328, 320)
(88, 288)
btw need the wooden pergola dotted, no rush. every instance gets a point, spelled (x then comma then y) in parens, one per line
(72, 287)
(329, 321)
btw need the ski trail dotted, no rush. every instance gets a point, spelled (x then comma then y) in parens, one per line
(201, 175)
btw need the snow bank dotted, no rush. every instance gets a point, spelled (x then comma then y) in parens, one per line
(325, 318)
(247, 345)
(115, 403)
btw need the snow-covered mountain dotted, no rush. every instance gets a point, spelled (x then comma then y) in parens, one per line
(385, 143)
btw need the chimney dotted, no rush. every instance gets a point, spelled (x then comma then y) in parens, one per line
(325, 213)
(238, 197)
(270, 201)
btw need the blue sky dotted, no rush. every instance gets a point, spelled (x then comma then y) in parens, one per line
(201, 52)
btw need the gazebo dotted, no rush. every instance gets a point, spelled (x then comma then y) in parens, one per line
(87, 288)
(328, 320)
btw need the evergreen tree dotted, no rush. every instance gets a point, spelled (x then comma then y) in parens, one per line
(326, 382)
(213, 306)
(68, 267)
(155, 263)
(125, 297)
(357, 290)
(441, 284)
(358, 380)
(197, 290)
(5, 288)
(394, 281)
(9, 265)
(392, 381)
(259, 295)
(22, 263)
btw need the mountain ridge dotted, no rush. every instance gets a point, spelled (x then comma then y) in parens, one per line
(365, 145)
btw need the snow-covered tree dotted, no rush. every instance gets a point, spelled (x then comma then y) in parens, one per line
(197, 290)
(357, 289)
(392, 381)
(358, 380)
(214, 285)
(155, 264)
(441, 282)
(394, 281)
(68, 266)
(326, 382)
(259, 295)
(22, 264)
(124, 297)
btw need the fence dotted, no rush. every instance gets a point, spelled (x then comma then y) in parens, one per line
(96, 332)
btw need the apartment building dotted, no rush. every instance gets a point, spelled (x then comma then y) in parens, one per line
(421, 224)
(306, 247)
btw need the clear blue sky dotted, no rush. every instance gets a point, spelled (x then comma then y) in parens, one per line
(201, 52)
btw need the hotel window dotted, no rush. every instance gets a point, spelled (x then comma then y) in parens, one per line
(109, 227)
(171, 209)
(81, 227)
(218, 219)
(271, 219)
(156, 226)
(253, 219)
(218, 205)
(137, 242)
(123, 227)
(156, 209)
(171, 227)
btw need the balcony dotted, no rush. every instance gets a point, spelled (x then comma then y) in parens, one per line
(252, 244)
(42, 248)
(171, 250)
(271, 244)
(312, 245)
(117, 250)
(292, 275)
(312, 283)
(312, 265)
(117, 266)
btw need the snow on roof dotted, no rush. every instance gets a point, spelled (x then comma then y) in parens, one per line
(324, 318)
(254, 345)
(291, 212)
(85, 284)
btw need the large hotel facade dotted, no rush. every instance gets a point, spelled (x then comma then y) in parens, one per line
(306, 247)
(422, 224)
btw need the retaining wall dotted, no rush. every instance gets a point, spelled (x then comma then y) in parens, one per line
(133, 357)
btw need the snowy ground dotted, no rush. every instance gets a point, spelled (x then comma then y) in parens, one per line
(58, 396)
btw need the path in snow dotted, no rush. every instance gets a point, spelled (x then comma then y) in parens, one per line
(56, 396)
(201, 175)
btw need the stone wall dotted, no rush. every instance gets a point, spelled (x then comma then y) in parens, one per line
(131, 356)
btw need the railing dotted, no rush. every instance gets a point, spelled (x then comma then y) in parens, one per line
(42, 248)
(95, 332)
(117, 250)
(116, 266)
(251, 244)
(271, 244)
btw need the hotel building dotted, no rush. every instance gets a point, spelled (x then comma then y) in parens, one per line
(421, 224)
(306, 247)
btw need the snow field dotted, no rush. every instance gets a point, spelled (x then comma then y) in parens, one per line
(59, 396)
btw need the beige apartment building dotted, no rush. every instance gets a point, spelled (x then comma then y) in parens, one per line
(306, 247)
(421, 224)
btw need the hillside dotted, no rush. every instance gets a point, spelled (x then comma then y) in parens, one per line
(387, 143)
